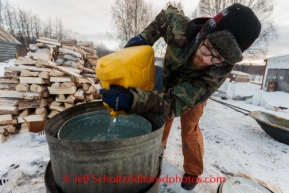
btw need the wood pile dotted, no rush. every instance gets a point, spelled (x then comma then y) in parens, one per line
(52, 77)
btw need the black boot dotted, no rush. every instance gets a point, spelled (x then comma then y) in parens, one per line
(189, 182)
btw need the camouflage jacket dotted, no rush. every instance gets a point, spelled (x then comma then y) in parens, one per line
(184, 87)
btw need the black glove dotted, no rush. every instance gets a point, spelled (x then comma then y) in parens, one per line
(117, 98)
(136, 41)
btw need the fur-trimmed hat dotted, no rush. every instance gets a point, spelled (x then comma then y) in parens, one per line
(230, 32)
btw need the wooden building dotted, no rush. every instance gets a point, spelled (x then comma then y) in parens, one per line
(8, 46)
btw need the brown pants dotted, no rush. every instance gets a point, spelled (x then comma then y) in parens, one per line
(192, 139)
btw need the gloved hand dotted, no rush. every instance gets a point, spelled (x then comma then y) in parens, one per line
(118, 100)
(136, 41)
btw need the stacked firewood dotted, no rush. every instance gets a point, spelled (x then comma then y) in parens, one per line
(51, 78)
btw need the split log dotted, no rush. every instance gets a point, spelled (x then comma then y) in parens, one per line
(56, 73)
(9, 86)
(59, 61)
(45, 63)
(56, 85)
(32, 118)
(40, 111)
(9, 128)
(11, 75)
(28, 61)
(89, 97)
(69, 99)
(70, 63)
(18, 62)
(44, 56)
(68, 105)
(2, 138)
(89, 75)
(88, 70)
(25, 113)
(68, 43)
(85, 44)
(45, 94)
(57, 108)
(32, 104)
(12, 69)
(79, 94)
(8, 81)
(32, 80)
(7, 119)
(3, 131)
(55, 103)
(70, 52)
(92, 57)
(92, 51)
(9, 101)
(85, 87)
(67, 84)
(6, 109)
(37, 88)
(44, 75)
(52, 113)
(61, 96)
(69, 57)
(62, 90)
(27, 73)
(91, 90)
(22, 87)
(40, 45)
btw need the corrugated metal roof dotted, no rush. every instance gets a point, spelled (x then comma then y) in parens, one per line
(5, 36)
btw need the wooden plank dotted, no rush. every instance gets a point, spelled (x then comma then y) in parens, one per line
(17, 94)
(88, 70)
(32, 68)
(32, 80)
(48, 42)
(5, 118)
(60, 79)
(32, 104)
(67, 84)
(62, 90)
(9, 101)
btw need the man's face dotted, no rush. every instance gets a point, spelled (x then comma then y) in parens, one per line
(205, 56)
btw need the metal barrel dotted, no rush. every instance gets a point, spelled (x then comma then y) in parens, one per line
(122, 165)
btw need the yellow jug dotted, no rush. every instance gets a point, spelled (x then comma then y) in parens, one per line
(133, 66)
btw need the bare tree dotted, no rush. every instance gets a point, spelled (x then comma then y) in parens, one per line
(262, 8)
(130, 17)
(179, 5)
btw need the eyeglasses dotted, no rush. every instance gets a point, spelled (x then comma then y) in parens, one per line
(215, 60)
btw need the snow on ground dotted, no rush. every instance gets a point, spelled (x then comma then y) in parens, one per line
(233, 143)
